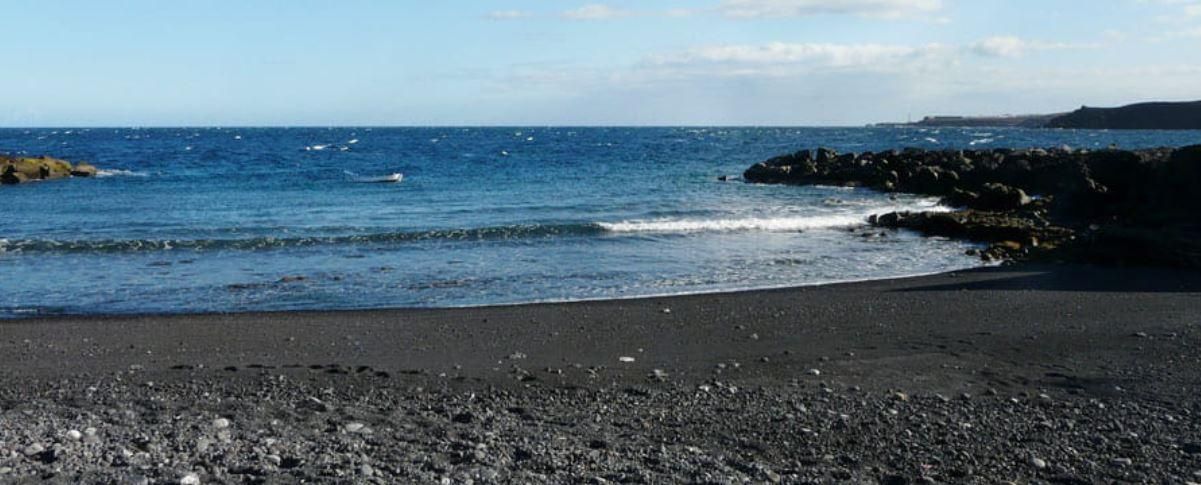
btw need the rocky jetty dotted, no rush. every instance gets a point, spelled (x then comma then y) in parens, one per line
(1114, 206)
(15, 170)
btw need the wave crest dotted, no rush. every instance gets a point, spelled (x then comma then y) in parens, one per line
(779, 224)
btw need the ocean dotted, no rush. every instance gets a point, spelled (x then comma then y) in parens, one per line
(186, 220)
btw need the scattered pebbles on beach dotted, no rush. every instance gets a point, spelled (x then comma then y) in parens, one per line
(720, 430)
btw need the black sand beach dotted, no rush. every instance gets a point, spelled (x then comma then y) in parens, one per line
(1026, 373)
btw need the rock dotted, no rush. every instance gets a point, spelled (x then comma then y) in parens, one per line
(11, 177)
(190, 479)
(21, 169)
(354, 427)
(1140, 204)
(221, 423)
(1121, 462)
(999, 197)
(1038, 463)
(74, 435)
(83, 169)
(33, 449)
(814, 372)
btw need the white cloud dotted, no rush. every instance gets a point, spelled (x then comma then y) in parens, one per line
(508, 15)
(1010, 46)
(813, 54)
(595, 11)
(802, 8)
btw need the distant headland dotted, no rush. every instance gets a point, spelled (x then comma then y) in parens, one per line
(1140, 116)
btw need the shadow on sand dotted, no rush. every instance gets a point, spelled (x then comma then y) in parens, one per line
(1074, 278)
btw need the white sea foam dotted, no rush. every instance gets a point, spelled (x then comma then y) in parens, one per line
(981, 140)
(769, 224)
(775, 224)
(116, 172)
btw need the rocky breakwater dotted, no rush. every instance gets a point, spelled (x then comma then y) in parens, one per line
(1111, 206)
(15, 170)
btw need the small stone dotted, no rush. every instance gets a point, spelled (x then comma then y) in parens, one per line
(354, 427)
(275, 460)
(74, 435)
(666, 310)
(33, 449)
(814, 372)
(1122, 462)
(754, 336)
(1140, 334)
(1038, 463)
(366, 470)
(625, 359)
(900, 396)
(190, 479)
(221, 423)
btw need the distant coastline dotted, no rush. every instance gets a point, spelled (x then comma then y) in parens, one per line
(1140, 116)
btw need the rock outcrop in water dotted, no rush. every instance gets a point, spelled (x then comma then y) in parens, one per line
(1113, 206)
(15, 170)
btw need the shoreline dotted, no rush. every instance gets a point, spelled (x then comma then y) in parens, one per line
(953, 294)
(1028, 372)
(484, 306)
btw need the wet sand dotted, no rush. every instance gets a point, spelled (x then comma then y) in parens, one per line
(1065, 373)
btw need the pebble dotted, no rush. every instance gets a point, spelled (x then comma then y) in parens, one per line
(1122, 462)
(625, 359)
(74, 435)
(1038, 463)
(221, 423)
(274, 459)
(354, 427)
(33, 449)
(190, 479)
(814, 372)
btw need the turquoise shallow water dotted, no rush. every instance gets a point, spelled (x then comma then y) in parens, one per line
(244, 219)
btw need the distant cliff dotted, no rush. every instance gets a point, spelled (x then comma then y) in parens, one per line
(1142, 116)
(1023, 121)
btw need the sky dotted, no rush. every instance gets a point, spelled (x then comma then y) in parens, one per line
(568, 62)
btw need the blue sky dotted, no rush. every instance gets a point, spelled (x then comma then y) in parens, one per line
(541, 62)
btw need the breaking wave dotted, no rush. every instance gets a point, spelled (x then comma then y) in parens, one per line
(508, 232)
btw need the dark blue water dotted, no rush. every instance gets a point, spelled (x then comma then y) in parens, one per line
(189, 220)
